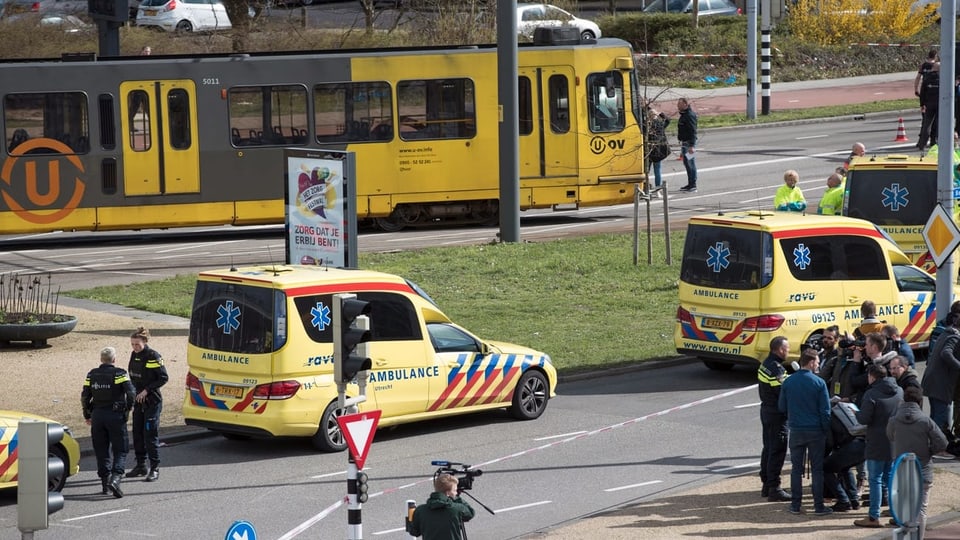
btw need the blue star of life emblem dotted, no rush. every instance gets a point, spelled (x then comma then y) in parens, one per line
(801, 256)
(895, 197)
(229, 317)
(321, 316)
(718, 257)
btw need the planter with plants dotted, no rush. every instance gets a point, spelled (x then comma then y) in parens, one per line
(28, 310)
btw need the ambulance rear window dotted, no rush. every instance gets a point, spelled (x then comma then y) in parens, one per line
(891, 197)
(726, 258)
(237, 318)
(392, 317)
(823, 258)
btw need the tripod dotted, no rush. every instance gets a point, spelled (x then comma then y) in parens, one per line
(463, 526)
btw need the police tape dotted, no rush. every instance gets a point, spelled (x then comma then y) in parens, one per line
(684, 55)
(890, 45)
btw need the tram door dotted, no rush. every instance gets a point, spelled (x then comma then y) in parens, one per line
(161, 154)
(548, 135)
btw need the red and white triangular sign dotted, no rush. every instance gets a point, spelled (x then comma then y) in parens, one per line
(358, 430)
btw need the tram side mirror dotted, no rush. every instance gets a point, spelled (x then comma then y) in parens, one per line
(611, 87)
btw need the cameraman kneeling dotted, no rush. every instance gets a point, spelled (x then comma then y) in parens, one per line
(442, 516)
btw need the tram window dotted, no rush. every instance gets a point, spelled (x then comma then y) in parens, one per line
(525, 110)
(138, 112)
(108, 130)
(48, 123)
(353, 112)
(605, 102)
(436, 109)
(268, 115)
(178, 113)
(559, 104)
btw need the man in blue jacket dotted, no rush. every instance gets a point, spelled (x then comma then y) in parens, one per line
(804, 399)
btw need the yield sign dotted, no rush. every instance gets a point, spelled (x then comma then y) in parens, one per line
(941, 235)
(358, 430)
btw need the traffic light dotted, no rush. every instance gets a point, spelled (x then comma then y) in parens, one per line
(362, 486)
(36, 465)
(351, 331)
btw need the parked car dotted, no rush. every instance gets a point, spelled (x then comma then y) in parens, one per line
(706, 7)
(533, 16)
(71, 7)
(183, 15)
(70, 24)
(67, 450)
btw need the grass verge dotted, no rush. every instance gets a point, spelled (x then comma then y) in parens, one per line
(580, 300)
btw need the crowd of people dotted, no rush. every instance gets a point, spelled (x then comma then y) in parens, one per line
(850, 407)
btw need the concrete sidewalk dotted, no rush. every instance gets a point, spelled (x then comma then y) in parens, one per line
(724, 99)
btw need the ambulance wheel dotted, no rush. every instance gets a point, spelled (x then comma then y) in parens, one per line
(329, 438)
(530, 396)
(717, 365)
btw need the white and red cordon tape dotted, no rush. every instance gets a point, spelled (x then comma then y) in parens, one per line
(891, 45)
(681, 55)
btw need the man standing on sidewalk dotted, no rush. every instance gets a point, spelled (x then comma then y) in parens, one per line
(770, 377)
(687, 134)
(804, 400)
(879, 403)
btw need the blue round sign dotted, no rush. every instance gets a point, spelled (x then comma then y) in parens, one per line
(241, 530)
(906, 489)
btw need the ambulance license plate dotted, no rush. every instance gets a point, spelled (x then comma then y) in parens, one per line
(232, 391)
(723, 324)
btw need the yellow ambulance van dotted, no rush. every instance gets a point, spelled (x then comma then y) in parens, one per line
(897, 193)
(747, 277)
(260, 356)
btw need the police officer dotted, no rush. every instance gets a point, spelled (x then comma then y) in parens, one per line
(107, 397)
(770, 377)
(148, 375)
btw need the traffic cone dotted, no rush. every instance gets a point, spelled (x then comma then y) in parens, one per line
(901, 132)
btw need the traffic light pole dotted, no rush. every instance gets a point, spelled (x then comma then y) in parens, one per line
(35, 467)
(354, 512)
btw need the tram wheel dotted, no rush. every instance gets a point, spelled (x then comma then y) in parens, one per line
(389, 224)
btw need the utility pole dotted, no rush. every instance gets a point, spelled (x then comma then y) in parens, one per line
(751, 59)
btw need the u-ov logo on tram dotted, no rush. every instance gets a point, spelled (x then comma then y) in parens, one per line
(49, 198)
(598, 144)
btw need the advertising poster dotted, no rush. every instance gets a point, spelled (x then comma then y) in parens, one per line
(320, 216)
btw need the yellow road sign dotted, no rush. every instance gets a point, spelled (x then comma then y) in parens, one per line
(941, 234)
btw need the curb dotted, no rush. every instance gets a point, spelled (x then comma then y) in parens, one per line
(168, 436)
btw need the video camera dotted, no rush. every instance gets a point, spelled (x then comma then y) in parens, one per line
(847, 346)
(464, 474)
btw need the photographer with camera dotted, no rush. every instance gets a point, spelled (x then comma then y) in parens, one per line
(443, 515)
(896, 344)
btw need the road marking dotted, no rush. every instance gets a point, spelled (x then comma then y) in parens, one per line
(558, 436)
(337, 473)
(631, 486)
(811, 137)
(390, 531)
(737, 467)
(326, 511)
(96, 515)
(522, 506)
(747, 405)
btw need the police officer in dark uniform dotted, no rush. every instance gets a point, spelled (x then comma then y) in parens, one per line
(770, 377)
(107, 397)
(148, 375)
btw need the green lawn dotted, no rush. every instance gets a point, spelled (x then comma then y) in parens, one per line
(580, 300)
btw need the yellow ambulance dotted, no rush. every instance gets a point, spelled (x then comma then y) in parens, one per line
(260, 356)
(747, 277)
(898, 193)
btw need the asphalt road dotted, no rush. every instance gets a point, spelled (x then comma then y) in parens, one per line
(602, 443)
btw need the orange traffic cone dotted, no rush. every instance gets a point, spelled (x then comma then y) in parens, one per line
(901, 132)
